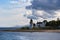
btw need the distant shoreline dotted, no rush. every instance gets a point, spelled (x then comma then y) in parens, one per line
(31, 31)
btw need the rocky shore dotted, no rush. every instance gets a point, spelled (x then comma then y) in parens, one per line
(32, 31)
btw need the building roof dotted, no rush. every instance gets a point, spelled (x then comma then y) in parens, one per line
(39, 22)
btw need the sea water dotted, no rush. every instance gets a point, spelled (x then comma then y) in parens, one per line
(29, 36)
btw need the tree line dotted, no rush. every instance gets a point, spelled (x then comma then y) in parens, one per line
(53, 24)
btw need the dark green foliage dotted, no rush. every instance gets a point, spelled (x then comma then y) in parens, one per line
(53, 24)
(34, 25)
(45, 21)
(25, 28)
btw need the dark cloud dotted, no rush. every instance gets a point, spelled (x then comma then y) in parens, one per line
(45, 5)
(48, 6)
(31, 17)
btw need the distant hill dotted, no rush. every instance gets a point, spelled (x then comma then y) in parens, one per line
(12, 28)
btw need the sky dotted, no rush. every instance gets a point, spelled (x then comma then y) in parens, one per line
(19, 12)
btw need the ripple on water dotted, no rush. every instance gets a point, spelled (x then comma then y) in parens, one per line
(29, 36)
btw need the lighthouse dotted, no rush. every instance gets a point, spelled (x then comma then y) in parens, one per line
(31, 23)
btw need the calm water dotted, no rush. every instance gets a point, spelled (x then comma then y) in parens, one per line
(29, 36)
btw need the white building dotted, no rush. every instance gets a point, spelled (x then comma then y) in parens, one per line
(41, 24)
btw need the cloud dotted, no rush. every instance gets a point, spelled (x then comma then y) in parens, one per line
(37, 14)
(47, 6)
(12, 17)
(11, 13)
(10, 4)
(32, 17)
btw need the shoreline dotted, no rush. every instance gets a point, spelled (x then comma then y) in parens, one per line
(58, 31)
